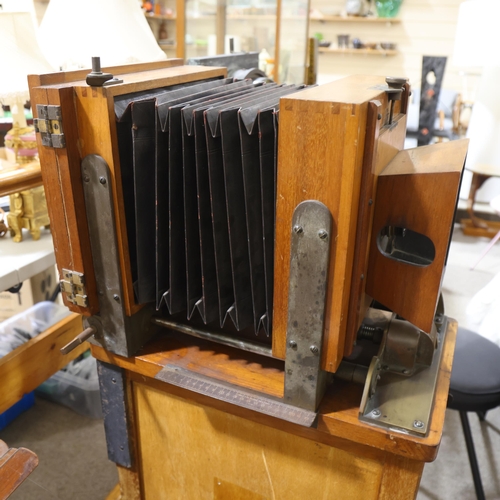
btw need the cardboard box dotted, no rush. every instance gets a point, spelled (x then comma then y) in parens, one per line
(37, 289)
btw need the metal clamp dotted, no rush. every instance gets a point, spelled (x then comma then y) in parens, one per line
(49, 126)
(73, 287)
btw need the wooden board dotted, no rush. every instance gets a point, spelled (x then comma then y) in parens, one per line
(469, 229)
(231, 457)
(321, 156)
(16, 464)
(338, 423)
(417, 191)
(381, 145)
(25, 368)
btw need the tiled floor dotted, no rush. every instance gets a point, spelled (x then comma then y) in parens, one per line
(72, 450)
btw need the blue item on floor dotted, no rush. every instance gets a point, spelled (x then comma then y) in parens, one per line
(27, 401)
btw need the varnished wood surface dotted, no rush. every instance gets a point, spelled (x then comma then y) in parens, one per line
(25, 368)
(115, 493)
(68, 161)
(231, 457)
(489, 231)
(382, 145)
(20, 177)
(180, 29)
(338, 423)
(16, 464)
(418, 191)
(322, 157)
(73, 76)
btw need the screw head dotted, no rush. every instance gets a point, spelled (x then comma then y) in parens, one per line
(405, 372)
(418, 424)
(86, 178)
(314, 349)
(379, 116)
(370, 202)
(376, 413)
(322, 234)
(102, 180)
(292, 344)
(116, 297)
(298, 229)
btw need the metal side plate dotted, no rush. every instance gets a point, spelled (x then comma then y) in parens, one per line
(311, 238)
(402, 403)
(116, 332)
(238, 396)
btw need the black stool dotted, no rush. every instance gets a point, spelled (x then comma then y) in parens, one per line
(475, 387)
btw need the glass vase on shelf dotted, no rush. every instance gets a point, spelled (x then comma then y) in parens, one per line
(388, 8)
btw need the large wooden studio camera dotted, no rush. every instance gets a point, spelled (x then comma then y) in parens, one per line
(278, 237)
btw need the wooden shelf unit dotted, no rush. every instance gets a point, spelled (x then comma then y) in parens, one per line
(369, 52)
(160, 17)
(356, 19)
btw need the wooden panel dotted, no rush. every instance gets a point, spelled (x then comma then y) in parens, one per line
(180, 29)
(53, 188)
(115, 493)
(417, 191)
(16, 464)
(25, 368)
(68, 161)
(321, 148)
(400, 478)
(263, 462)
(338, 423)
(73, 76)
(380, 148)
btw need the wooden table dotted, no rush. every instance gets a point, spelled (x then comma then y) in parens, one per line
(475, 226)
(187, 445)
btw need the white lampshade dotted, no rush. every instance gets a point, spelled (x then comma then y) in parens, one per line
(478, 34)
(74, 31)
(20, 56)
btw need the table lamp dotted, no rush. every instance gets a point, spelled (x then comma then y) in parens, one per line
(74, 31)
(476, 46)
(20, 56)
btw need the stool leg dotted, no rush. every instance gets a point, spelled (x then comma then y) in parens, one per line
(487, 249)
(478, 485)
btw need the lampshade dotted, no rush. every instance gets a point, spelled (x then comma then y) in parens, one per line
(478, 34)
(73, 31)
(20, 56)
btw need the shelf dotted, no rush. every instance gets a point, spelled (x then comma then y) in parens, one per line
(166, 47)
(262, 17)
(370, 52)
(357, 19)
(160, 16)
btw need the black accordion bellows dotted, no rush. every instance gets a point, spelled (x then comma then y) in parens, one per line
(198, 166)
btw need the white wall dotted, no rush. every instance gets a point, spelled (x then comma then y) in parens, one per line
(427, 28)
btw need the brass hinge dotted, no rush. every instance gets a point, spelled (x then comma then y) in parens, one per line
(49, 125)
(73, 286)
